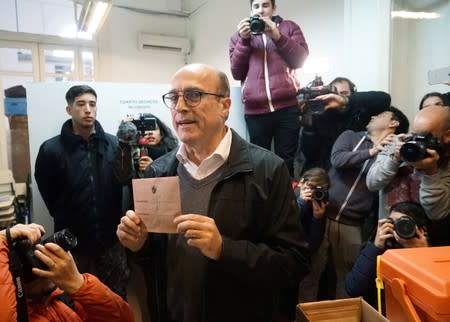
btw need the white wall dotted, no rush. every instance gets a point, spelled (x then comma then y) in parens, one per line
(418, 46)
(120, 59)
(353, 37)
(322, 23)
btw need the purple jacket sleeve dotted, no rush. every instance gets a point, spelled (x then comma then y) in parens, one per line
(240, 51)
(292, 45)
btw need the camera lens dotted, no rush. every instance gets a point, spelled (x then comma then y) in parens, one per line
(257, 25)
(314, 107)
(405, 227)
(64, 238)
(413, 151)
(320, 194)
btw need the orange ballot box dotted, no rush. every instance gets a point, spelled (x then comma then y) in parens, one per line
(417, 284)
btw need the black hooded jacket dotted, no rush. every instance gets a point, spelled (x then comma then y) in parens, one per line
(76, 180)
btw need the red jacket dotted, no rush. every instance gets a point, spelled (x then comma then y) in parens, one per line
(271, 86)
(94, 301)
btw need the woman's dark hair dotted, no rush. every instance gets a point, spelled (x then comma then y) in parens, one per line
(168, 140)
(273, 2)
(413, 210)
(428, 95)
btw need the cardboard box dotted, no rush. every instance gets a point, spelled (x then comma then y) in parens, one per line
(345, 310)
(15, 106)
(20, 147)
(417, 284)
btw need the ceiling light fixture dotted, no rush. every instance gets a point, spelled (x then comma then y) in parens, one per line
(93, 15)
(414, 15)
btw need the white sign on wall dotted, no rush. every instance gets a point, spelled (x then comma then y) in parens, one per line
(46, 108)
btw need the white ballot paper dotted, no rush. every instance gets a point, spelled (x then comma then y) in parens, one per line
(157, 202)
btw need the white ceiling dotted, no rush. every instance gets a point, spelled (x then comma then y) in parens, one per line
(151, 6)
(190, 5)
(420, 5)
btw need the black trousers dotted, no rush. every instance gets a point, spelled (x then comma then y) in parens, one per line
(282, 127)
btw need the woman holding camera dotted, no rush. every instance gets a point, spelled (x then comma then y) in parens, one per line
(155, 142)
(140, 142)
(264, 53)
(313, 202)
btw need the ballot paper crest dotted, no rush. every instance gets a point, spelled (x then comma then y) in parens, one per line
(157, 202)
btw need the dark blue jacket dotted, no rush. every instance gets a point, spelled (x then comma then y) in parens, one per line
(314, 228)
(360, 281)
(76, 180)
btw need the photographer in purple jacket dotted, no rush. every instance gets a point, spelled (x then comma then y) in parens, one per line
(264, 54)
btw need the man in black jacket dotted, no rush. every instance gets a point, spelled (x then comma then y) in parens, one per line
(74, 174)
(239, 246)
(341, 113)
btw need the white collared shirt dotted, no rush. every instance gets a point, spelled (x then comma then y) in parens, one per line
(210, 164)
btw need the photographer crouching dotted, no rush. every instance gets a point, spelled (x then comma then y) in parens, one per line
(40, 281)
(406, 227)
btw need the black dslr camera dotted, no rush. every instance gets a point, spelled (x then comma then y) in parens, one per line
(132, 139)
(257, 25)
(145, 123)
(415, 147)
(311, 91)
(25, 251)
(132, 132)
(320, 193)
(405, 227)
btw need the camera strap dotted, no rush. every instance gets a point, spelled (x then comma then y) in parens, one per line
(15, 266)
(355, 183)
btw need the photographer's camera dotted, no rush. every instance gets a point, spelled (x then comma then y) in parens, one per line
(405, 227)
(25, 250)
(320, 193)
(257, 25)
(311, 91)
(145, 123)
(415, 147)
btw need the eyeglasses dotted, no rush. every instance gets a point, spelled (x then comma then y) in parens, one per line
(192, 97)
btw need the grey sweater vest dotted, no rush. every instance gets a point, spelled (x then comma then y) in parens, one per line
(195, 194)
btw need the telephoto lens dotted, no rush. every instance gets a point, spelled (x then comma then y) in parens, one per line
(25, 251)
(64, 238)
